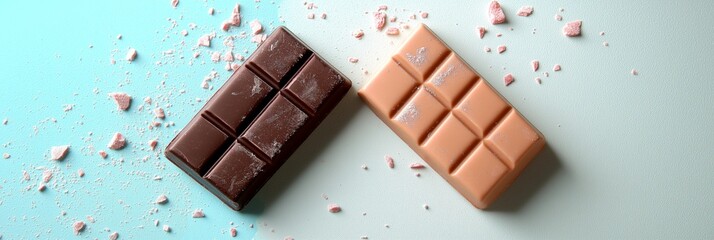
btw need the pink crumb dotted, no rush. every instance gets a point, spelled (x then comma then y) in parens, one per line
(334, 208)
(538, 80)
(59, 152)
(288, 238)
(114, 236)
(572, 29)
(216, 56)
(424, 14)
(602, 33)
(310, 5)
(147, 100)
(634, 72)
(25, 175)
(556, 68)
(525, 11)
(159, 113)
(80, 172)
(358, 34)
(481, 31)
(258, 39)
(392, 19)
(167, 228)
(382, 8)
(211, 11)
(226, 26)
(380, 19)
(122, 100)
(234, 232)
(174, 3)
(117, 142)
(41, 187)
(323, 15)
(205, 40)
(416, 166)
(198, 213)
(311, 16)
(228, 56)
(392, 31)
(501, 49)
(235, 16)
(103, 154)
(558, 17)
(78, 227)
(389, 160)
(6, 155)
(184, 33)
(131, 55)
(606, 44)
(353, 60)
(119, 37)
(47, 176)
(152, 143)
(235, 66)
(161, 199)
(486, 49)
(256, 27)
(495, 13)
(508, 79)
(535, 64)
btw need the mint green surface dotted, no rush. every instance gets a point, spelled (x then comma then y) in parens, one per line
(627, 157)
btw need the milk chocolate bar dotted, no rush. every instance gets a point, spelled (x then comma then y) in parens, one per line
(452, 118)
(260, 116)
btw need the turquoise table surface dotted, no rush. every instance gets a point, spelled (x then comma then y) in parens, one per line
(627, 156)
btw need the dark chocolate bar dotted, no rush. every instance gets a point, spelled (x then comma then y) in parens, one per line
(260, 116)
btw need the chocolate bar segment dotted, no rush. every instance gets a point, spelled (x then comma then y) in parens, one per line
(453, 119)
(278, 127)
(239, 175)
(239, 99)
(198, 156)
(280, 57)
(260, 116)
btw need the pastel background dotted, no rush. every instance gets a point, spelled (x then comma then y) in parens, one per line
(627, 156)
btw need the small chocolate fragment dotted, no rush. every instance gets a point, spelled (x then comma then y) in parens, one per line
(260, 116)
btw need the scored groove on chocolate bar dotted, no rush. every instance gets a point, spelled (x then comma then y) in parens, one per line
(255, 150)
(442, 62)
(259, 117)
(213, 119)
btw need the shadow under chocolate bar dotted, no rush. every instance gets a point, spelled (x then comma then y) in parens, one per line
(260, 116)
